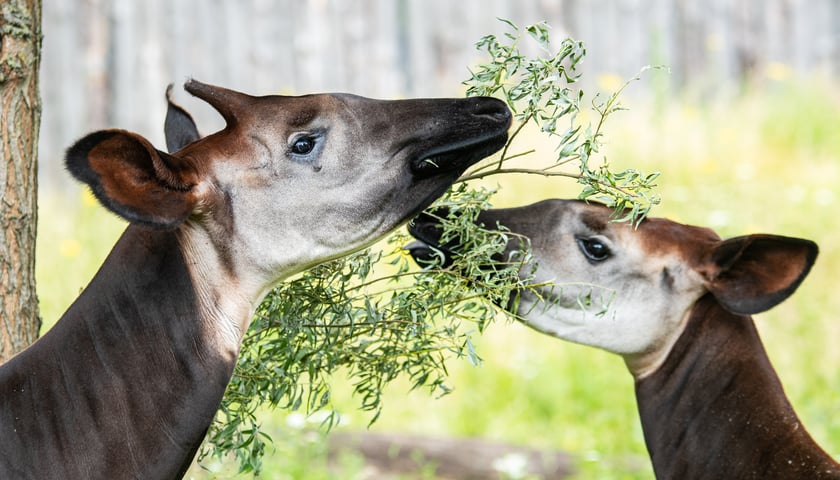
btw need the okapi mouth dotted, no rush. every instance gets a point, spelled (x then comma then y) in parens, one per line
(427, 230)
(443, 149)
(457, 157)
(429, 249)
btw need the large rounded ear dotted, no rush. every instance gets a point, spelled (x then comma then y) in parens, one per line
(179, 126)
(754, 273)
(133, 179)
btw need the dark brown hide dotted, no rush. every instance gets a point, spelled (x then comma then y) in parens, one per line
(716, 408)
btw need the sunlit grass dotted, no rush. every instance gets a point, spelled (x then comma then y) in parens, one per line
(764, 163)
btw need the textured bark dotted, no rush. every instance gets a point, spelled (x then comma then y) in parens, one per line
(20, 113)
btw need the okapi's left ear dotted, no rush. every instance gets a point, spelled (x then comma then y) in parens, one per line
(754, 273)
(179, 126)
(133, 179)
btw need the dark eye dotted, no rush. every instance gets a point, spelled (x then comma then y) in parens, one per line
(303, 145)
(594, 249)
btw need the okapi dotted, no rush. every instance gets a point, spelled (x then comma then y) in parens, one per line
(675, 302)
(126, 384)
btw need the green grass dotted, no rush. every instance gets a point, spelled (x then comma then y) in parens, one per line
(763, 163)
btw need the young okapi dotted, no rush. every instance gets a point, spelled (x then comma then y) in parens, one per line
(128, 381)
(675, 302)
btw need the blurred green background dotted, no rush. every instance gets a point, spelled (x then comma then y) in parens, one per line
(767, 160)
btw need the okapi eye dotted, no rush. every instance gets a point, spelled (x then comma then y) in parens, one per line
(594, 249)
(303, 145)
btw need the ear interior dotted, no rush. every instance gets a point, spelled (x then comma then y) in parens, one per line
(754, 273)
(133, 179)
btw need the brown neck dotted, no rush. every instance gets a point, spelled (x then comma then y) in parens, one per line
(127, 382)
(716, 408)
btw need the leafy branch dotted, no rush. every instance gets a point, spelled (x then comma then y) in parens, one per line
(375, 316)
(540, 92)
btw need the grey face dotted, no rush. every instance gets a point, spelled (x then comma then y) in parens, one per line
(580, 254)
(340, 171)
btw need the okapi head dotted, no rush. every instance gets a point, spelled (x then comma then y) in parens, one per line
(291, 181)
(628, 289)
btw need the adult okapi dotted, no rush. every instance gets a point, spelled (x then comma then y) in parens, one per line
(127, 382)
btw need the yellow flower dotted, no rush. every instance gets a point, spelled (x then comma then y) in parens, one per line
(610, 82)
(88, 199)
(714, 43)
(69, 247)
(778, 71)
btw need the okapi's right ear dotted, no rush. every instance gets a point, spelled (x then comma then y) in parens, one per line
(133, 179)
(179, 126)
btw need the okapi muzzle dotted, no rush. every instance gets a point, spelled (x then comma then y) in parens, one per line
(429, 247)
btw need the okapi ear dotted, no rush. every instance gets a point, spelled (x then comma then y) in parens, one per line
(179, 126)
(754, 273)
(133, 179)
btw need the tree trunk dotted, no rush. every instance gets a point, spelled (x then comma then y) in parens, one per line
(20, 119)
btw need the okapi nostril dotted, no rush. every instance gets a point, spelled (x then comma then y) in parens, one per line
(492, 107)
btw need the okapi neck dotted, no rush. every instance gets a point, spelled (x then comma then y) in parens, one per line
(145, 296)
(131, 363)
(716, 408)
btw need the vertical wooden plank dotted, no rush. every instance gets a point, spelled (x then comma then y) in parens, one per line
(53, 53)
(233, 25)
(633, 37)
(272, 47)
(718, 43)
(421, 39)
(340, 55)
(388, 82)
(834, 36)
(121, 63)
(308, 38)
(811, 37)
(92, 70)
(150, 80)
